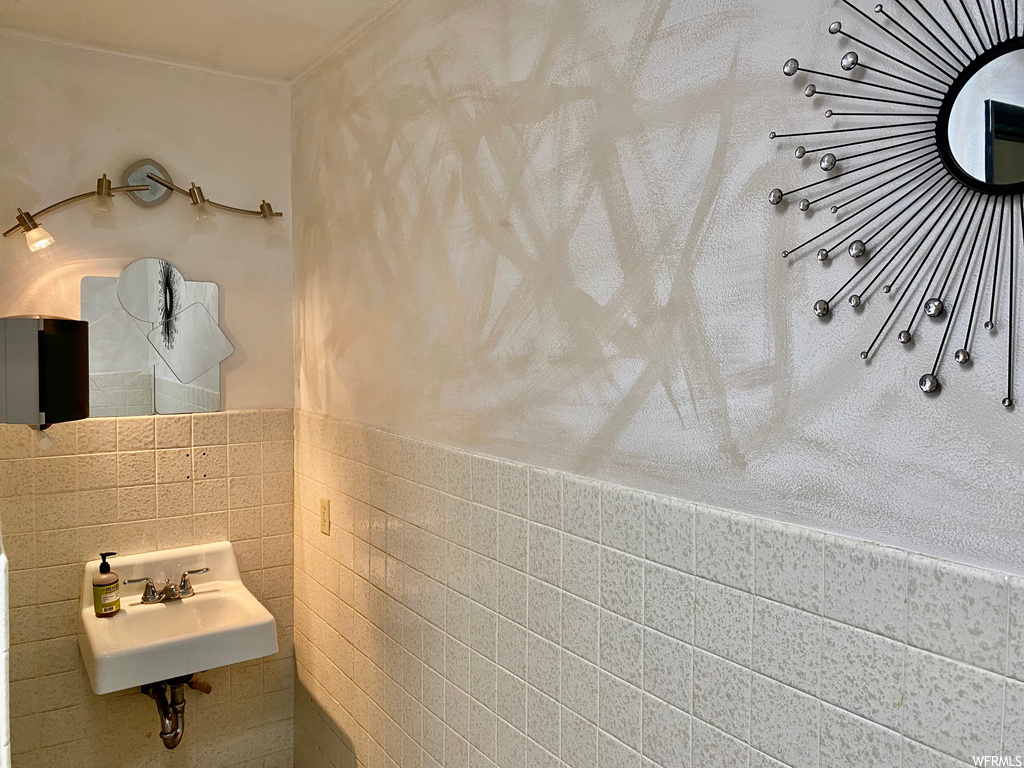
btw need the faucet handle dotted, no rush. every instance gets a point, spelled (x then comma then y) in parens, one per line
(186, 589)
(149, 593)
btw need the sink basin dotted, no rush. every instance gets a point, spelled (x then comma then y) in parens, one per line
(223, 623)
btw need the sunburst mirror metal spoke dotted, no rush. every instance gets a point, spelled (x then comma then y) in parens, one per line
(924, 171)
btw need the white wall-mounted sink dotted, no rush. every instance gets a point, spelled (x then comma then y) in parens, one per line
(223, 623)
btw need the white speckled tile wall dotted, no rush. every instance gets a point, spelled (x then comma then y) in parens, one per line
(5, 666)
(468, 612)
(135, 485)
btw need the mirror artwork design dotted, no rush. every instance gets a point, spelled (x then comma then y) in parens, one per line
(925, 173)
(155, 345)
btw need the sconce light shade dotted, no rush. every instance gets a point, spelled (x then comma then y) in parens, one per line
(202, 210)
(201, 207)
(104, 202)
(38, 239)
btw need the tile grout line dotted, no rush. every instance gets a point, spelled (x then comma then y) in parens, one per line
(526, 705)
(906, 655)
(444, 688)
(1006, 677)
(750, 692)
(821, 636)
(643, 625)
(600, 609)
(561, 595)
(693, 654)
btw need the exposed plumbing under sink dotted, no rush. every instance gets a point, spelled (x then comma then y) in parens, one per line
(169, 696)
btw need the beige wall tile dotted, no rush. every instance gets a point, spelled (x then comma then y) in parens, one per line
(56, 511)
(18, 514)
(97, 471)
(61, 440)
(97, 436)
(175, 499)
(174, 465)
(174, 431)
(278, 424)
(136, 434)
(15, 441)
(210, 495)
(210, 462)
(211, 527)
(97, 507)
(55, 475)
(136, 468)
(245, 459)
(245, 426)
(136, 503)
(209, 429)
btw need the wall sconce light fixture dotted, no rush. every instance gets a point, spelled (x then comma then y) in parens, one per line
(103, 197)
(38, 238)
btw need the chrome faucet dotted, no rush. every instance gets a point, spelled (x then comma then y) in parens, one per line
(185, 587)
(168, 590)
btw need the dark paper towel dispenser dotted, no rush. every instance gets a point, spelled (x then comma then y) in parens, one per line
(44, 370)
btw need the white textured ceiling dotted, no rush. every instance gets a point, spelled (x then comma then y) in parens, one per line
(260, 38)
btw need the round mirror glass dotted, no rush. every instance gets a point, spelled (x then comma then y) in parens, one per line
(151, 290)
(986, 124)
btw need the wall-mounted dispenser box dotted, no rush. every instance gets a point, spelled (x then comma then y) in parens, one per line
(44, 370)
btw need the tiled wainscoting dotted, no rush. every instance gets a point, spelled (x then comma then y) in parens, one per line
(465, 611)
(135, 485)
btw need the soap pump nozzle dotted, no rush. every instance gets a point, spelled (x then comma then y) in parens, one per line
(104, 565)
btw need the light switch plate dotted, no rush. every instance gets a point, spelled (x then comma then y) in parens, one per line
(325, 517)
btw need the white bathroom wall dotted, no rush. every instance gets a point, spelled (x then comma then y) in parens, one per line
(67, 115)
(540, 230)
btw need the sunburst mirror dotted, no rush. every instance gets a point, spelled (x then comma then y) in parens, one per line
(924, 173)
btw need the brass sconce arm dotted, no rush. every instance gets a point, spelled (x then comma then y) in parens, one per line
(195, 194)
(27, 221)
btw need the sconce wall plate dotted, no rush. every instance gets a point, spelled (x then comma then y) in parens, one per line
(925, 174)
(137, 174)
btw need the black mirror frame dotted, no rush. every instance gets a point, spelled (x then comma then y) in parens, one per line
(946, 110)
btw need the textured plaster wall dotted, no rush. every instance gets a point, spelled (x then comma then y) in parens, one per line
(68, 115)
(539, 230)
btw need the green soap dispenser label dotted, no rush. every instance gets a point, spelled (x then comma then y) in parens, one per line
(107, 598)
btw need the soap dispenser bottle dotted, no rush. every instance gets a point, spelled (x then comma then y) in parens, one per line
(106, 593)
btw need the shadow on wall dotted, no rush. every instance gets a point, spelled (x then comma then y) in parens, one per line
(539, 231)
(506, 237)
(319, 740)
